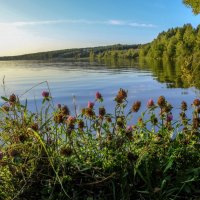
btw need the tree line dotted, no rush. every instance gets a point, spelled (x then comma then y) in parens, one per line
(175, 43)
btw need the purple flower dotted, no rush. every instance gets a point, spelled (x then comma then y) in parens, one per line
(59, 106)
(45, 94)
(169, 117)
(90, 104)
(71, 119)
(129, 129)
(1, 155)
(98, 96)
(150, 103)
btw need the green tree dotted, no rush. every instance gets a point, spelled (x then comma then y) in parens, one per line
(194, 4)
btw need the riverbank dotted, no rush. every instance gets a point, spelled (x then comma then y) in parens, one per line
(97, 155)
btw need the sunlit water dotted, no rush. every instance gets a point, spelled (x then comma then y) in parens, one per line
(83, 80)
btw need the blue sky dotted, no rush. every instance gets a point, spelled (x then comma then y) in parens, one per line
(39, 25)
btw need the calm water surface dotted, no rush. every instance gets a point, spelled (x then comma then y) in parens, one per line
(83, 79)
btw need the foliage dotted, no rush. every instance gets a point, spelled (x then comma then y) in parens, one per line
(178, 73)
(194, 4)
(176, 43)
(99, 155)
(76, 53)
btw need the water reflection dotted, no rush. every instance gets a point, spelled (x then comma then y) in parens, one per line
(143, 79)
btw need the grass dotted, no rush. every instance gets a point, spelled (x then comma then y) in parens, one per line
(97, 155)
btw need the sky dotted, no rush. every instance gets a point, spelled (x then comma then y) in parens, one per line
(28, 26)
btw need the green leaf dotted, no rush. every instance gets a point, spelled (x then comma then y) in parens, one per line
(169, 165)
(5, 99)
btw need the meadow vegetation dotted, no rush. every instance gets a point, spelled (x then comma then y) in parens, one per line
(54, 154)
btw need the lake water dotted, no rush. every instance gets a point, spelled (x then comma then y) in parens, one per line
(84, 79)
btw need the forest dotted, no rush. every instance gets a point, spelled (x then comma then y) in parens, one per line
(175, 43)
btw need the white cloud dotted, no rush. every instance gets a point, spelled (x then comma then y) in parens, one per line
(112, 22)
(17, 38)
(116, 22)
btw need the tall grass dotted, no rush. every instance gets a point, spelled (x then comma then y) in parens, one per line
(99, 155)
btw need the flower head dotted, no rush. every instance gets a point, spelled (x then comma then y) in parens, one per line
(161, 101)
(98, 96)
(196, 102)
(102, 111)
(71, 120)
(136, 106)
(90, 104)
(150, 103)
(80, 124)
(183, 106)
(12, 99)
(121, 96)
(45, 94)
(65, 110)
(89, 112)
(59, 106)
(169, 117)
(129, 129)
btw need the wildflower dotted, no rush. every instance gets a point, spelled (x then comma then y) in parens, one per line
(98, 96)
(129, 134)
(196, 102)
(80, 124)
(83, 111)
(167, 108)
(71, 120)
(59, 106)
(121, 96)
(129, 129)
(12, 99)
(89, 112)
(90, 104)
(161, 101)
(65, 110)
(108, 119)
(118, 99)
(150, 103)
(102, 111)
(141, 122)
(1, 155)
(136, 106)
(58, 118)
(45, 94)
(169, 117)
(196, 123)
(183, 106)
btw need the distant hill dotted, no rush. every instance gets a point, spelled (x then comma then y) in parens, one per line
(76, 53)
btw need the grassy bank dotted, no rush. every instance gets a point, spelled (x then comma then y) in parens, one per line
(97, 155)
